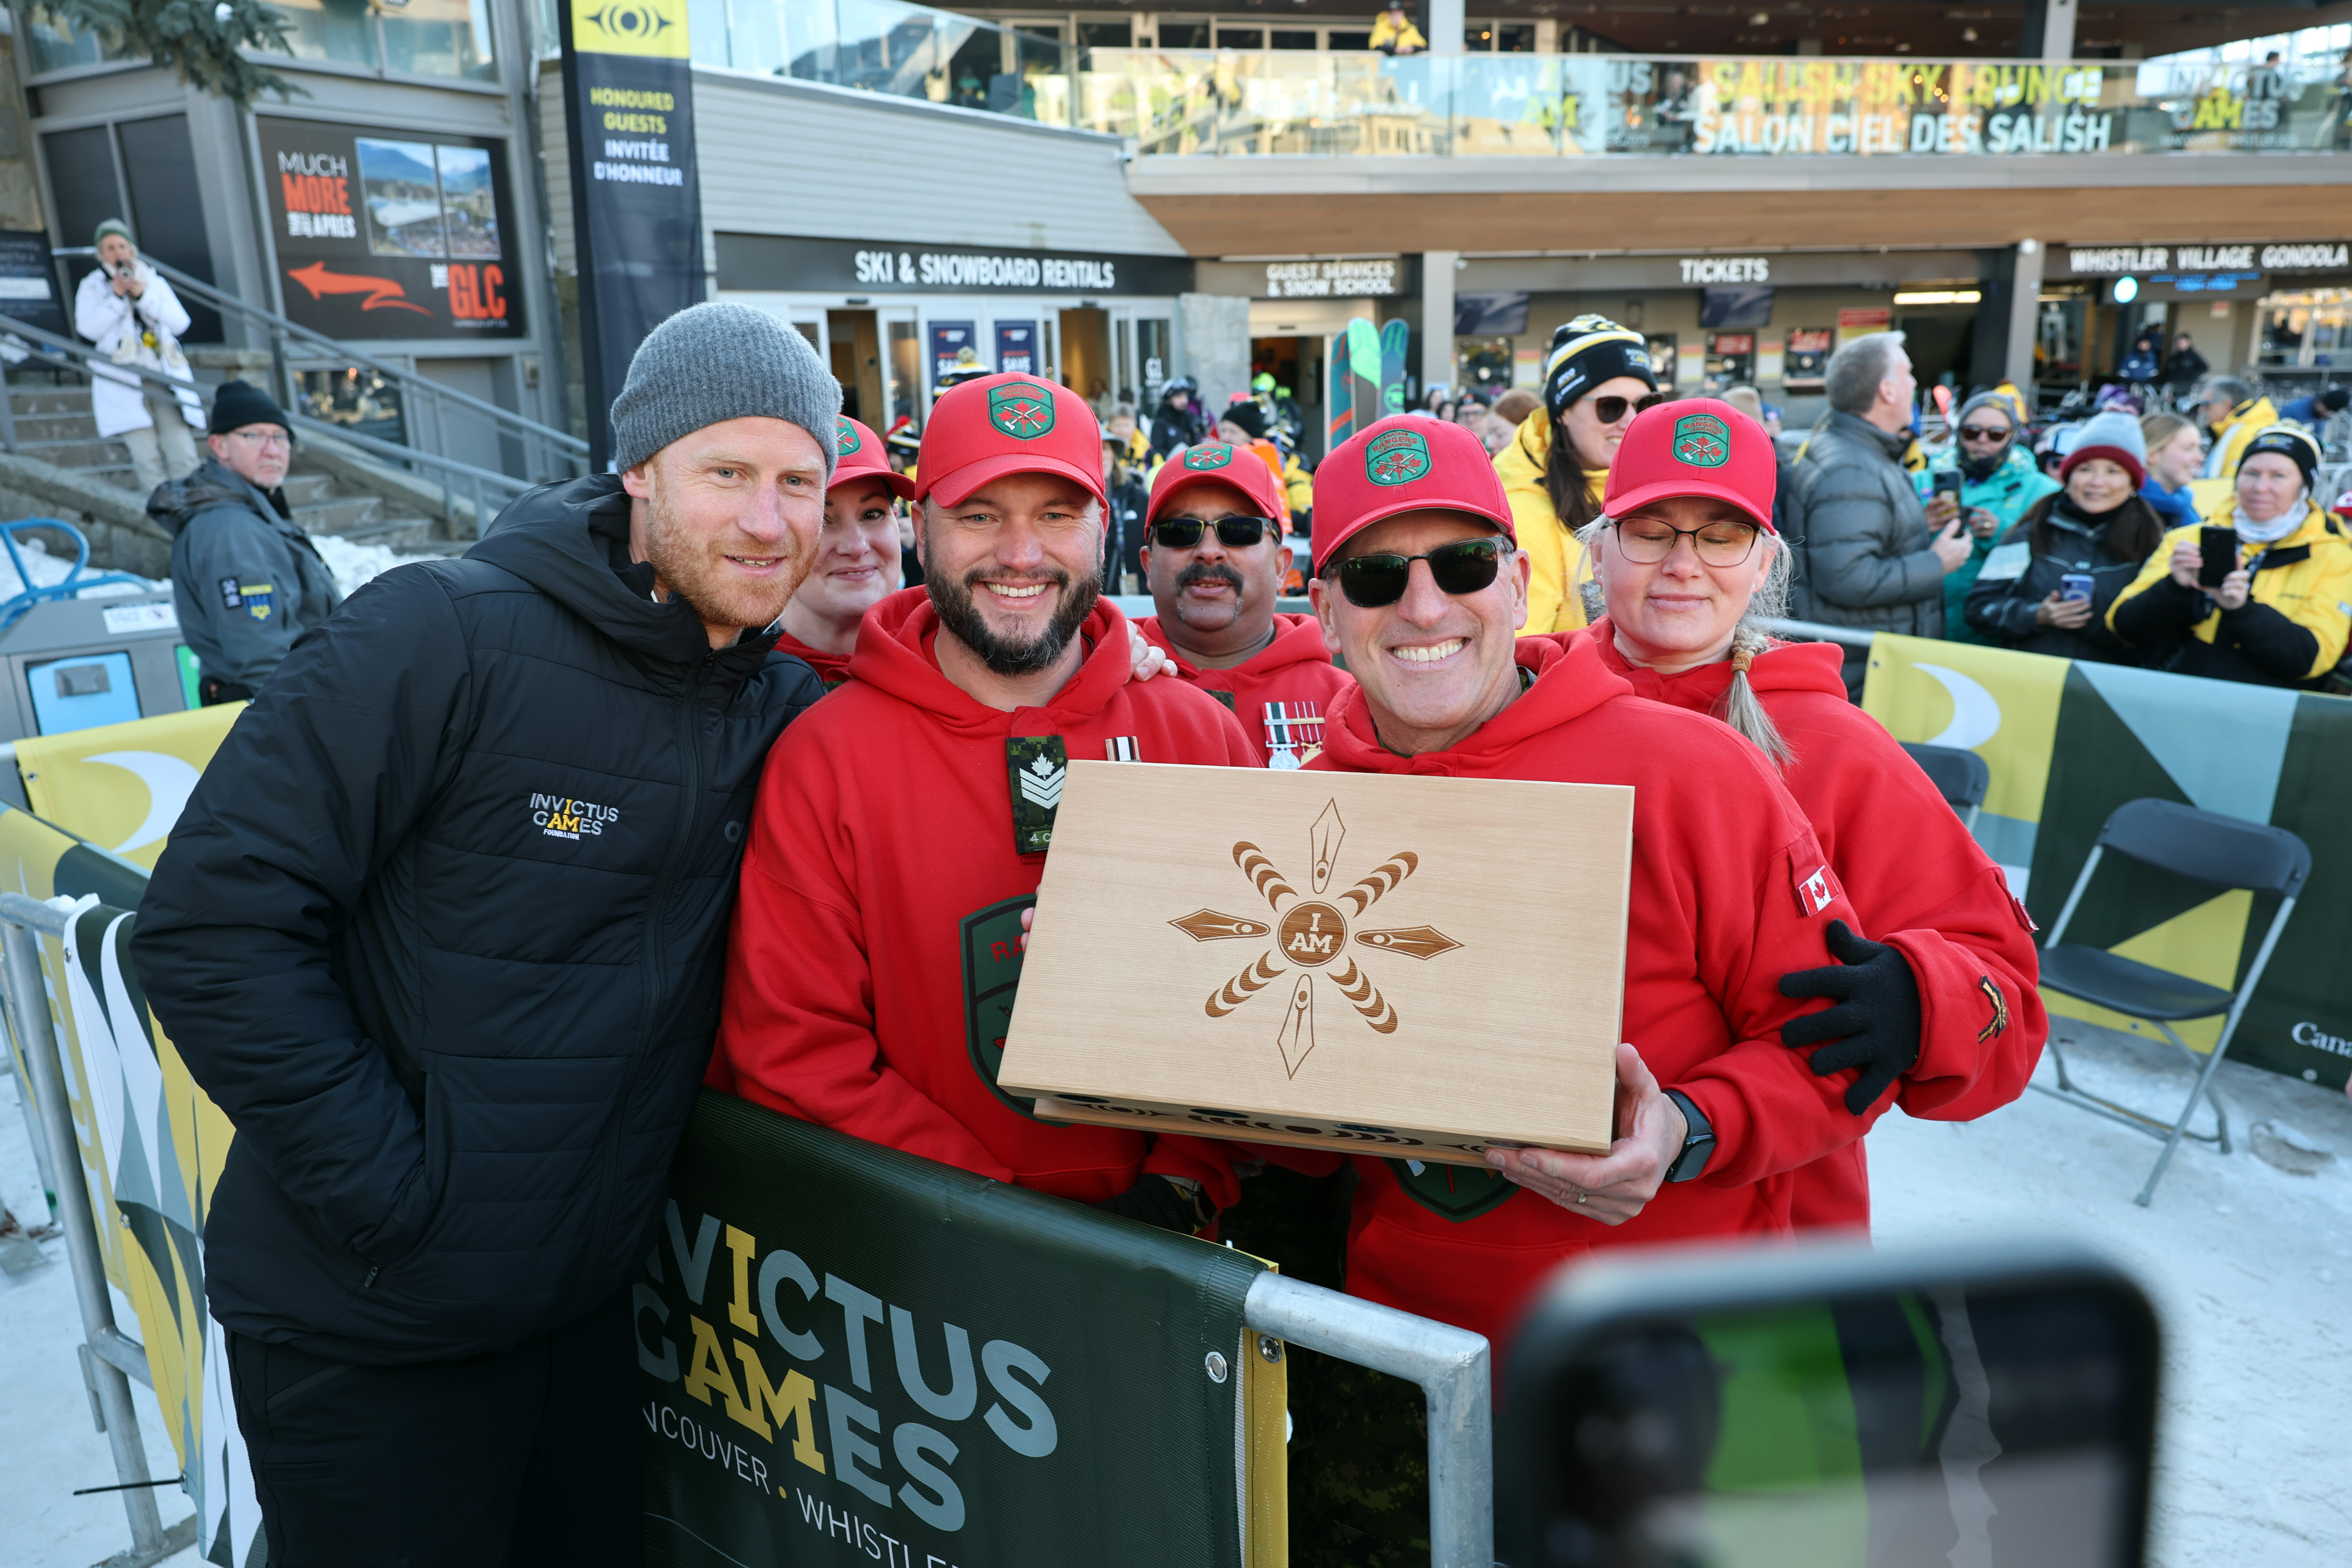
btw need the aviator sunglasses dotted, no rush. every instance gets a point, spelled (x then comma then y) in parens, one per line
(1465, 566)
(1233, 533)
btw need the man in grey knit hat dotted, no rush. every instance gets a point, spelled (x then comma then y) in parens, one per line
(441, 931)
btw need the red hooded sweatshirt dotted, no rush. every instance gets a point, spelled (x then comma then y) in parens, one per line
(1728, 892)
(1916, 877)
(875, 945)
(832, 668)
(1281, 695)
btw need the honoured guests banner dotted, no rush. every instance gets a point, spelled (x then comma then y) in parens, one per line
(637, 206)
(854, 1356)
(2067, 742)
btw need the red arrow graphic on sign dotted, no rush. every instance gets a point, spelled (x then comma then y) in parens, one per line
(381, 292)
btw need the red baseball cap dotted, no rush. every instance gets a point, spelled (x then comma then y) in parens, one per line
(858, 455)
(1214, 462)
(1000, 424)
(1697, 447)
(1404, 463)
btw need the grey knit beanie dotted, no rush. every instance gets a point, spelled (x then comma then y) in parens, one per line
(716, 362)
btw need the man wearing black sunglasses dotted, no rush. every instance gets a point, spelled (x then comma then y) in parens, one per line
(1216, 564)
(1420, 588)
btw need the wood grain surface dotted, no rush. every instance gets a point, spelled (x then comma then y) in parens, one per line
(1331, 959)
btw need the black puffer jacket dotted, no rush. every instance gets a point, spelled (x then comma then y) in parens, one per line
(442, 929)
(1863, 545)
(2000, 604)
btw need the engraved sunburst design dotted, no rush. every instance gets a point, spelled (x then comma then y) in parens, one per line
(1311, 933)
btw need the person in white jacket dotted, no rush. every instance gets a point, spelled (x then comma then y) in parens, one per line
(134, 317)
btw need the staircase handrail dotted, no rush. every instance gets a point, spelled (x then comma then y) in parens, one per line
(21, 341)
(477, 481)
(340, 353)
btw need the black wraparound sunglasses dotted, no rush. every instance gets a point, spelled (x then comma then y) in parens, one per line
(1465, 566)
(1233, 533)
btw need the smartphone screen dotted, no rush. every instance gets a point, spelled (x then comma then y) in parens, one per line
(2219, 548)
(2074, 585)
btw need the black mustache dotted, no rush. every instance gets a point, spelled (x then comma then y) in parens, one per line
(1207, 571)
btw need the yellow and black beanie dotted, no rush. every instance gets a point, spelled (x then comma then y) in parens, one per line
(1588, 350)
(2293, 443)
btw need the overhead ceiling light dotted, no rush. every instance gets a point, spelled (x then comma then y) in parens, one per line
(1968, 35)
(1940, 296)
(2127, 290)
(1761, 19)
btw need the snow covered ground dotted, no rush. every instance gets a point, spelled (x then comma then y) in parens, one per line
(2249, 1266)
(353, 565)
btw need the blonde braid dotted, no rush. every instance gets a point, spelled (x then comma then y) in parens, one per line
(1740, 708)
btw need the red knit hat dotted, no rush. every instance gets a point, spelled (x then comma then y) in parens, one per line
(1697, 447)
(858, 455)
(1000, 424)
(1213, 462)
(1404, 463)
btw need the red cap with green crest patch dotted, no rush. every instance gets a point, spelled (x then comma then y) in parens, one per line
(1404, 463)
(1002, 424)
(1697, 447)
(858, 454)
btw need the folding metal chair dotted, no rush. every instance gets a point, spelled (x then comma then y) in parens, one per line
(1959, 777)
(2225, 851)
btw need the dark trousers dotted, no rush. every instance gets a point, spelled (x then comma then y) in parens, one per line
(530, 1455)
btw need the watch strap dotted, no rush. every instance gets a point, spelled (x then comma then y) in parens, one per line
(1698, 1140)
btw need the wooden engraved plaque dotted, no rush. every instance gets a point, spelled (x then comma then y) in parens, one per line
(1385, 963)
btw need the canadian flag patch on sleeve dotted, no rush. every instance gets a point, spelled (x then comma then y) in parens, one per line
(1817, 885)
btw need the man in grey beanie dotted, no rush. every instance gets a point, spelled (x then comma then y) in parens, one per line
(441, 931)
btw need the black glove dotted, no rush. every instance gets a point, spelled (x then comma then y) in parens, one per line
(1875, 1024)
(1156, 1201)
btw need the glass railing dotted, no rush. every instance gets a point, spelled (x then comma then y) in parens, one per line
(895, 49)
(1255, 104)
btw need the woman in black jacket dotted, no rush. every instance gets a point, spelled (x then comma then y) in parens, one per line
(2096, 528)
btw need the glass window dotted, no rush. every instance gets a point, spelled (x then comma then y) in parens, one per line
(1186, 35)
(440, 37)
(906, 373)
(1106, 35)
(54, 45)
(1340, 40)
(1151, 338)
(1515, 40)
(1241, 37)
(342, 31)
(1287, 39)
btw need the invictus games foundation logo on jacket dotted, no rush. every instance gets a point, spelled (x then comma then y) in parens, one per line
(561, 816)
(1020, 411)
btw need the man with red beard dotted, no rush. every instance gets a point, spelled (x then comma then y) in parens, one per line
(856, 556)
(1216, 564)
(1421, 589)
(902, 829)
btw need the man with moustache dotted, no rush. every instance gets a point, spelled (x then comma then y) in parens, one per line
(1214, 564)
(902, 827)
(857, 556)
(440, 930)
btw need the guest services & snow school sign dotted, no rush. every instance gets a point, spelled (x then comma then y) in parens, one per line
(851, 1355)
(384, 234)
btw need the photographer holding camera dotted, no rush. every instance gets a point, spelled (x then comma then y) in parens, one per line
(2258, 593)
(134, 317)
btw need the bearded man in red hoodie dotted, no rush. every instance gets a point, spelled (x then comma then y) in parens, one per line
(1421, 589)
(1216, 564)
(897, 845)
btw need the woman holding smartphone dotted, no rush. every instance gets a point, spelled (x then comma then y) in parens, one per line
(2049, 580)
(2258, 592)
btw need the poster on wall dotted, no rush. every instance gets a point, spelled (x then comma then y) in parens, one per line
(1805, 362)
(392, 234)
(637, 199)
(1016, 348)
(954, 347)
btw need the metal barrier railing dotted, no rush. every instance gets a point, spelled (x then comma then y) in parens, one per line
(1453, 1367)
(109, 1359)
(1815, 631)
(29, 343)
(547, 453)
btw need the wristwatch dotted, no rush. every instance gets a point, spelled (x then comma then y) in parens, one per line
(1698, 1140)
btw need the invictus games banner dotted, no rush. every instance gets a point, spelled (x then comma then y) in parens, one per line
(2068, 741)
(382, 234)
(852, 1356)
(637, 207)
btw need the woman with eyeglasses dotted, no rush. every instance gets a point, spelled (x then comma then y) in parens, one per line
(1597, 376)
(1998, 481)
(1942, 1005)
(2047, 588)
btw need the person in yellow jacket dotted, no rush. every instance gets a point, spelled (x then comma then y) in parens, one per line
(2283, 617)
(1394, 34)
(1597, 376)
(2235, 414)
